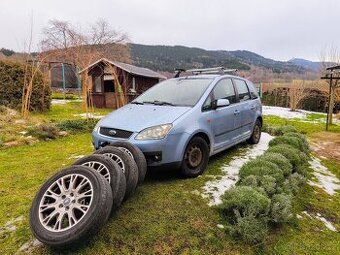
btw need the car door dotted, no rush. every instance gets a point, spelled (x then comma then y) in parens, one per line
(222, 119)
(247, 110)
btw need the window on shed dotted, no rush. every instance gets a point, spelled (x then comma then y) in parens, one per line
(109, 86)
(97, 81)
(242, 89)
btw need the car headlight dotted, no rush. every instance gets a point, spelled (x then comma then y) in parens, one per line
(154, 133)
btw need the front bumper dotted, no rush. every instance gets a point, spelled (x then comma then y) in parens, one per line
(157, 152)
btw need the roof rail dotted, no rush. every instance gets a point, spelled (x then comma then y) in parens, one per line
(214, 70)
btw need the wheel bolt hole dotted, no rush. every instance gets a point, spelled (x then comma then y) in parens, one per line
(67, 207)
(63, 196)
(61, 205)
(71, 194)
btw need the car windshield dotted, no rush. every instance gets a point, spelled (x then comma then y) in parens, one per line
(176, 92)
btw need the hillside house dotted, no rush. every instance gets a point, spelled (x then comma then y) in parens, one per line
(133, 80)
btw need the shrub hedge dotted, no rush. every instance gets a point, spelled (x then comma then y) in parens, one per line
(281, 161)
(12, 83)
(263, 195)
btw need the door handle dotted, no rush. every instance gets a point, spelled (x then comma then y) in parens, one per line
(253, 107)
(236, 112)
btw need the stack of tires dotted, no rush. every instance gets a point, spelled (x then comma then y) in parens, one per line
(74, 203)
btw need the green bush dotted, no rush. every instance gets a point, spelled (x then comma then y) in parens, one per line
(303, 140)
(296, 181)
(281, 208)
(242, 201)
(246, 209)
(12, 83)
(44, 131)
(295, 157)
(260, 167)
(251, 229)
(281, 161)
(286, 129)
(292, 141)
(265, 183)
(76, 125)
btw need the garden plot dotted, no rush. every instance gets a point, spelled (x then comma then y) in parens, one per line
(214, 189)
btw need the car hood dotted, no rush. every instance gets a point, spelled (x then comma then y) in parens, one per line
(138, 117)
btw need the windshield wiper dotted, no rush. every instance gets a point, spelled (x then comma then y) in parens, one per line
(136, 102)
(156, 102)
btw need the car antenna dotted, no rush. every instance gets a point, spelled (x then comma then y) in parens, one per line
(178, 72)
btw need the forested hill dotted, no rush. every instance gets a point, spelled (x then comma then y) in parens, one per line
(166, 58)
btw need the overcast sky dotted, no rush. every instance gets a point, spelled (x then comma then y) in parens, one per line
(275, 29)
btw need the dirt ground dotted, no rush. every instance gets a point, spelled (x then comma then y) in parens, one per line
(326, 144)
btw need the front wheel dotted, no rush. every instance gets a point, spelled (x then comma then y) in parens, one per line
(256, 135)
(195, 158)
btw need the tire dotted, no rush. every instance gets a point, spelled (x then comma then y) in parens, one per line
(256, 135)
(137, 155)
(126, 164)
(61, 233)
(111, 172)
(196, 157)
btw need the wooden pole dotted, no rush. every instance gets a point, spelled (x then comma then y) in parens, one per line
(330, 108)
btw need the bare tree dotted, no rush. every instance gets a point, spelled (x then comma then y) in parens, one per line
(297, 92)
(70, 44)
(330, 57)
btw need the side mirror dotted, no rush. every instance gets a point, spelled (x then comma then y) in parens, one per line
(221, 103)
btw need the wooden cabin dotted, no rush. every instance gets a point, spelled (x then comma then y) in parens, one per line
(133, 80)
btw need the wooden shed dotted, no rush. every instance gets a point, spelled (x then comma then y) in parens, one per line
(134, 80)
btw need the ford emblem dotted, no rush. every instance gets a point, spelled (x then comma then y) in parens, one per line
(112, 132)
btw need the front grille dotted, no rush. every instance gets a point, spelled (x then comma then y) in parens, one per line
(116, 133)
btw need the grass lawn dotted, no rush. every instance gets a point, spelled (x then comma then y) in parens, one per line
(165, 215)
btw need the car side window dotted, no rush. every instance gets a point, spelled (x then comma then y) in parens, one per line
(242, 89)
(207, 104)
(225, 90)
(253, 90)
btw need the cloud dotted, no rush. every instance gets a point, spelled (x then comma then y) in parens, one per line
(275, 29)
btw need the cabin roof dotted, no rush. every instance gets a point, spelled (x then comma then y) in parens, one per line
(135, 70)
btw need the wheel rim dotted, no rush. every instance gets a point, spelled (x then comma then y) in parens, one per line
(194, 156)
(100, 168)
(117, 159)
(127, 151)
(257, 133)
(65, 203)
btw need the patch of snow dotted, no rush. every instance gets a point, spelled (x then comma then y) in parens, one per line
(299, 216)
(220, 226)
(319, 217)
(214, 189)
(10, 226)
(325, 179)
(74, 156)
(63, 101)
(23, 132)
(283, 112)
(298, 114)
(306, 213)
(89, 115)
(58, 101)
(327, 223)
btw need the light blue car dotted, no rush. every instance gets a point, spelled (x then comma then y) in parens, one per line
(182, 121)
